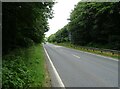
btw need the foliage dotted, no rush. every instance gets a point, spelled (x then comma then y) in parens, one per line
(25, 70)
(15, 74)
(24, 23)
(93, 23)
(51, 38)
(61, 35)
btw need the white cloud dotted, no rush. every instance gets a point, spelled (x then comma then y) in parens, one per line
(62, 11)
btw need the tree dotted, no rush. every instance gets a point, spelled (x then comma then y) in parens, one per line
(61, 35)
(95, 23)
(24, 23)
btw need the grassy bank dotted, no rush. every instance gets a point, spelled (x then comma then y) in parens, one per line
(25, 68)
(117, 56)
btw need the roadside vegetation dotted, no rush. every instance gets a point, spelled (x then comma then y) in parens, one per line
(91, 24)
(109, 54)
(25, 68)
(23, 62)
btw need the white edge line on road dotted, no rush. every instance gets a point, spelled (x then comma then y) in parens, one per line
(95, 54)
(101, 56)
(55, 71)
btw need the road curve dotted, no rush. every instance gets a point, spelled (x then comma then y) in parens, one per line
(80, 69)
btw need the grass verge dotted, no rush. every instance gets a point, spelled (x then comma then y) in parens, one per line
(117, 56)
(25, 68)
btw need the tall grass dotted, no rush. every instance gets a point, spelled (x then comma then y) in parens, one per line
(24, 68)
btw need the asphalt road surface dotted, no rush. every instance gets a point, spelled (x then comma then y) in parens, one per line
(80, 69)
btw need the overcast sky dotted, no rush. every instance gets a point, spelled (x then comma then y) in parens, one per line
(62, 11)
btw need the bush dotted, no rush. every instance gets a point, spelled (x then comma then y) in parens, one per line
(15, 73)
(24, 68)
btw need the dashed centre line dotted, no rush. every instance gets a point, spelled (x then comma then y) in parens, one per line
(75, 56)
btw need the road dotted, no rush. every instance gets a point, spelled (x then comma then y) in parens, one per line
(80, 69)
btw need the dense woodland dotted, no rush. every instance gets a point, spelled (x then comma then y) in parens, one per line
(24, 24)
(23, 28)
(92, 24)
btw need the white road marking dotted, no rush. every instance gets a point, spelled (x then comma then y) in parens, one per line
(101, 56)
(96, 55)
(55, 71)
(56, 46)
(76, 56)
